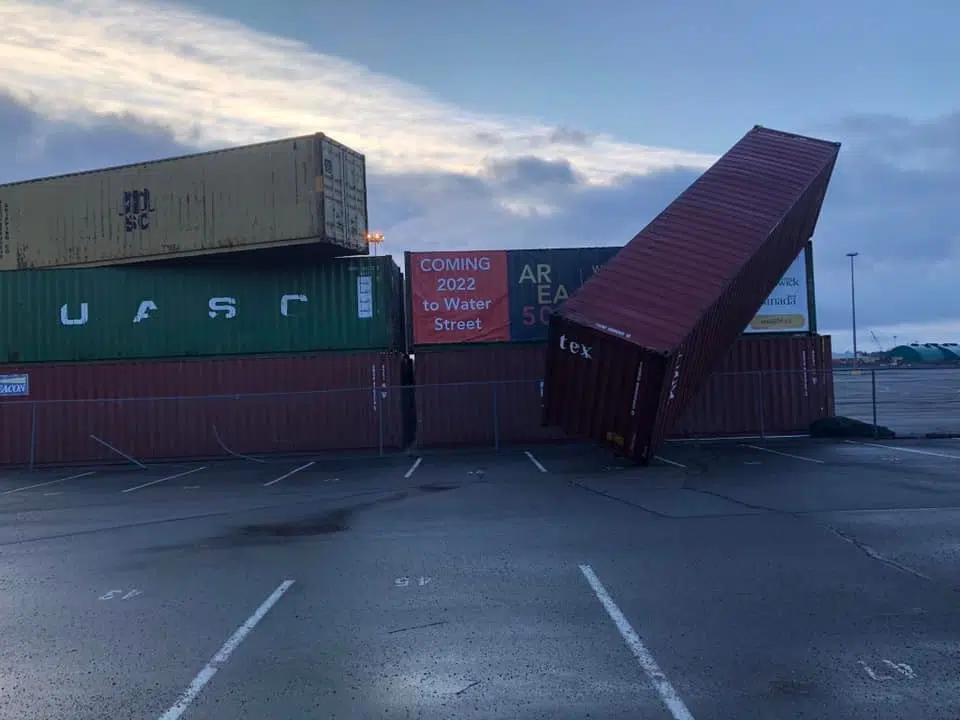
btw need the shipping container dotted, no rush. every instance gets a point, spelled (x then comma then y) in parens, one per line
(485, 395)
(83, 314)
(539, 280)
(631, 349)
(764, 386)
(74, 413)
(480, 395)
(297, 191)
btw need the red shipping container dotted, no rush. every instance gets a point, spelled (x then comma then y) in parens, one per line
(205, 408)
(482, 395)
(764, 386)
(631, 349)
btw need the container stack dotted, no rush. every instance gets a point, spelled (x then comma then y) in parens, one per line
(478, 324)
(220, 303)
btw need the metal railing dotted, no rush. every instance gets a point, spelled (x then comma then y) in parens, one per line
(911, 402)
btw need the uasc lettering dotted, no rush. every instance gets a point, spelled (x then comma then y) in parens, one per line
(217, 308)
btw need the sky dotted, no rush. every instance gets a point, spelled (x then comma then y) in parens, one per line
(545, 123)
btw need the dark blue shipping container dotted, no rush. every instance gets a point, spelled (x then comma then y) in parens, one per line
(541, 279)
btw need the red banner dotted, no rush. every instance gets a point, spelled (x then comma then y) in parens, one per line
(459, 297)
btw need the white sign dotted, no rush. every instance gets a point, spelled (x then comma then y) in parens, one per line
(786, 309)
(14, 385)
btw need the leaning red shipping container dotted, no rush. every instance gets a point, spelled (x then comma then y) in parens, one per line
(630, 350)
(162, 410)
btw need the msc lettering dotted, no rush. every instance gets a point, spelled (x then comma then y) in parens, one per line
(225, 307)
(576, 348)
(136, 209)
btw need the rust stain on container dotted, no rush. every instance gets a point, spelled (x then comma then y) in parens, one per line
(631, 349)
(475, 396)
(257, 196)
(192, 409)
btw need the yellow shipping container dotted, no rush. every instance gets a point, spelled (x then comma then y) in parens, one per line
(296, 191)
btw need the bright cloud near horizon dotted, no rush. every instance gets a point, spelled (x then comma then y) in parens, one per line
(91, 83)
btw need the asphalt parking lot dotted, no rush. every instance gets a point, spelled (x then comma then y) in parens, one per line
(784, 579)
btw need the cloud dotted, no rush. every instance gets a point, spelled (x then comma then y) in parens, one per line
(893, 200)
(93, 83)
(214, 82)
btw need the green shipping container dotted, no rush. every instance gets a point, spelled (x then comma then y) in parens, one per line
(188, 311)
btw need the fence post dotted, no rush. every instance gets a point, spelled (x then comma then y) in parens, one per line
(873, 401)
(380, 418)
(33, 434)
(763, 424)
(496, 419)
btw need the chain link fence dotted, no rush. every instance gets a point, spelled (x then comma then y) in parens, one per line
(913, 402)
(384, 419)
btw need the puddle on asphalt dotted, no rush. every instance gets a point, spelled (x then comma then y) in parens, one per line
(328, 522)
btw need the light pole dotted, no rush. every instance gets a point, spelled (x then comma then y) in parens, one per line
(853, 308)
(375, 239)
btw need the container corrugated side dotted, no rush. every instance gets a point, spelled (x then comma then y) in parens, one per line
(772, 386)
(480, 395)
(541, 279)
(301, 190)
(632, 348)
(206, 408)
(85, 314)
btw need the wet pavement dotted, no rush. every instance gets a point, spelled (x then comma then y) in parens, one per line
(784, 579)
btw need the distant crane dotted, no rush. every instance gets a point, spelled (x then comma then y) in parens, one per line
(875, 340)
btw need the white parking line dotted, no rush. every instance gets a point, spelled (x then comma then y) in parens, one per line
(905, 450)
(658, 679)
(51, 482)
(536, 462)
(669, 462)
(292, 472)
(164, 479)
(223, 654)
(783, 454)
(413, 468)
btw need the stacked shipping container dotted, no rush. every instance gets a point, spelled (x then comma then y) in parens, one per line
(227, 256)
(302, 191)
(195, 307)
(629, 352)
(162, 312)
